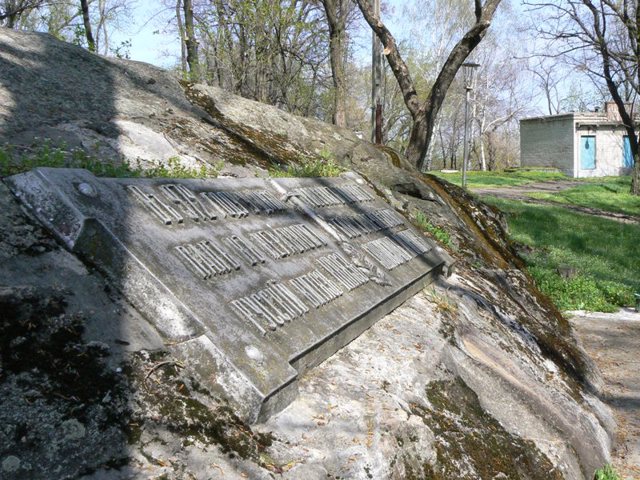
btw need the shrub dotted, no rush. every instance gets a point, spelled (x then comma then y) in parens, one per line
(438, 233)
(59, 157)
(324, 166)
(606, 473)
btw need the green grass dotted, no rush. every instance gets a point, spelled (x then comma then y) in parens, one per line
(609, 193)
(60, 157)
(502, 178)
(600, 254)
(322, 167)
(606, 473)
(438, 233)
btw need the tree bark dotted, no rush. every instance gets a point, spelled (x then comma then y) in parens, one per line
(483, 160)
(102, 34)
(91, 43)
(424, 115)
(190, 42)
(336, 14)
(397, 64)
(11, 12)
(183, 45)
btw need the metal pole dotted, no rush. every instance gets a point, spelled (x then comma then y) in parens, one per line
(466, 136)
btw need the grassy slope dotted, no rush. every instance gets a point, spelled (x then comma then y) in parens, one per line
(609, 193)
(598, 256)
(61, 157)
(497, 179)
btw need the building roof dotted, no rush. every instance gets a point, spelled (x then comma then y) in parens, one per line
(607, 116)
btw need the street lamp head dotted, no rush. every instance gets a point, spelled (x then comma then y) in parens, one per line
(468, 70)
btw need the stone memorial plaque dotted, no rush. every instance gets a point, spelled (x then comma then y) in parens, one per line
(250, 281)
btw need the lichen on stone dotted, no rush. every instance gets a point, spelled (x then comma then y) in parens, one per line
(471, 444)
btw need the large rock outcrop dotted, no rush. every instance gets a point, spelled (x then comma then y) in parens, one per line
(478, 376)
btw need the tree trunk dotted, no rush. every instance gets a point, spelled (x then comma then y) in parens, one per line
(102, 34)
(91, 43)
(481, 135)
(635, 174)
(11, 20)
(190, 42)
(429, 154)
(627, 119)
(633, 138)
(424, 115)
(183, 46)
(635, 177)
(335, 11)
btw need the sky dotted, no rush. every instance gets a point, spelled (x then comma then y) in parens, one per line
(144, 29)
(152, 42)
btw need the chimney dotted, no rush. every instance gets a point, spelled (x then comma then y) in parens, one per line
(611, 110)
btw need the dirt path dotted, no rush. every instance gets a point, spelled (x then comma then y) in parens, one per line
(519, 192)
(613, 341)
(522, 192)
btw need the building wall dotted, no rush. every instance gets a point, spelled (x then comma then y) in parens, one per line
(609, 150)
(548, 142)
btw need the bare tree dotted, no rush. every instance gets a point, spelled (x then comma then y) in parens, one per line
(602, 38)
(190, 41)
(183, 46)
(12, 10)
(500, 96)
(424, 114)
(91, 43)
(337, 12)
(88, 22)
(548, 79)
(273, 52)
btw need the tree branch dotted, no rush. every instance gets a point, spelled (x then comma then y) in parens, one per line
(397, 64)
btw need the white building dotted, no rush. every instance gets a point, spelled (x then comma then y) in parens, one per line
(582, 144)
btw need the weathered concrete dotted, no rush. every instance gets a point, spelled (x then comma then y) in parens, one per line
(294, 269)
(555, 141)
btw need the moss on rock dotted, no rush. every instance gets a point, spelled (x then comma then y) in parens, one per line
(471, 444)
(171, 399)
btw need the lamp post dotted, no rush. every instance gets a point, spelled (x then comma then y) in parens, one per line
(468, 71)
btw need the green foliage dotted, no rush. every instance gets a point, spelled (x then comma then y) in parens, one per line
(607, 193)
(174, 169)
(324, 166)
(606, 473)
(123, 50)
(443, 303)
(438, 233)
(598, 256)
(580, 292)
(59, 157)
(503, 178)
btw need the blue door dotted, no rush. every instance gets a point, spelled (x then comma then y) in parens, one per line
(627, 159)
(587, 152)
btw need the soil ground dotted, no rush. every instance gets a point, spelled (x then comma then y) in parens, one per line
(613, 341)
